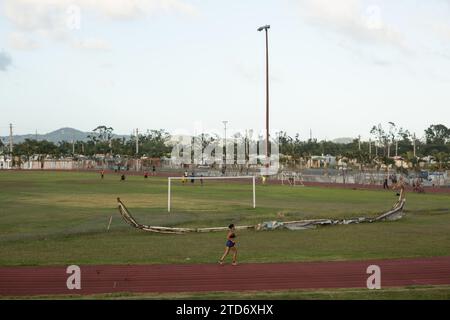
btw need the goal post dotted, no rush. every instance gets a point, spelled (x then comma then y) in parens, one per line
(169, 184)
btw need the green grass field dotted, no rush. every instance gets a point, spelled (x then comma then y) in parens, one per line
(50, 218)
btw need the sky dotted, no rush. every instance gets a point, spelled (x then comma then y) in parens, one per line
(336, 67)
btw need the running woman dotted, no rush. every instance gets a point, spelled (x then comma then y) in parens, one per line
(230, 245)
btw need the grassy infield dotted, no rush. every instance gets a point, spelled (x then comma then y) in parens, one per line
(61, 218)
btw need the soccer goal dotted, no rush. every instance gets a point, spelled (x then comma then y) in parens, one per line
(169, 181)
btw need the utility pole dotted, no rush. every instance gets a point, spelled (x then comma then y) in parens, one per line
(396, 148)
(359, 142)
(245, 145)
(137, 141)
(225, 141)
(414, 144)
(370, 148)
(10, 138)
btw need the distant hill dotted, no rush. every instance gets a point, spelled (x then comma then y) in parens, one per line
(344, 140)
(63, 134)
(69, 134)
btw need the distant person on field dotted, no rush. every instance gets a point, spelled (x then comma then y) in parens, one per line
(385, 184)
(154, 170)
(102, 173)
(394, 178)
(122, 177)
(145, 174)
(192, 177)
(230, 245)
(418, 186)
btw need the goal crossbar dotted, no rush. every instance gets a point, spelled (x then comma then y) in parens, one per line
(169, 182)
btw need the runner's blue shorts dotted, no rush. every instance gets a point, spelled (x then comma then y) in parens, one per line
(230, 244)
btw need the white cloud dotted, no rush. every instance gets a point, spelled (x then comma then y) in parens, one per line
(91, 44)
(20, 41)
(55, 19)
(47, 14)
(352, 18)
(135, 8)
(365, 54)
(442, 30)
(41, 16)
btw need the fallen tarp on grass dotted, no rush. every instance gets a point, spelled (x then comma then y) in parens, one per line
(393, 214)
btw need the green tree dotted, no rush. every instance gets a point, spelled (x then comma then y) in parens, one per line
(442, 159)
(381, 136)
(31, 147)
(154, 144)
(101, 136)
(437, 134)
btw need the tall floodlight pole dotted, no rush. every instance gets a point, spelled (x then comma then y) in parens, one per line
(265, 28)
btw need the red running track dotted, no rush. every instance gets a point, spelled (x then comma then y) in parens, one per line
(20, 281)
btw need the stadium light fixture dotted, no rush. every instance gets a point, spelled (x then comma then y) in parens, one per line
(264, 28)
